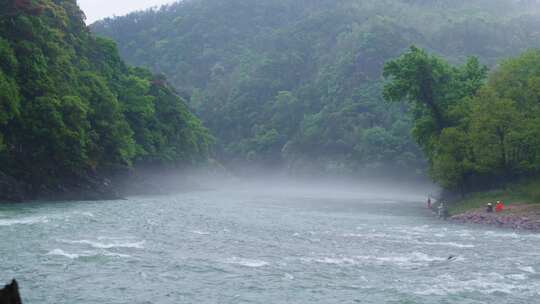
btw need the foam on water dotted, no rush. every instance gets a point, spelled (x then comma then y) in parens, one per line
(528, 269)
(115, 238)
(24, 221)
(415, 258)
(288, 276)
(490, 283)
(247, 262)
(200, 232)
(512, 235)
(517, 277)
(448, 244)
(136, 245)
(115, 254)
(331, 260)
(61, 252)
(73, 256)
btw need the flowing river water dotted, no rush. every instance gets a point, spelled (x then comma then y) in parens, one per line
(273, 246)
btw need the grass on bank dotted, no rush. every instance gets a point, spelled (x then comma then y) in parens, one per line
(521, 193)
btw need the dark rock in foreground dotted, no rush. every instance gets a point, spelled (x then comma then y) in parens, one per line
(10, 294)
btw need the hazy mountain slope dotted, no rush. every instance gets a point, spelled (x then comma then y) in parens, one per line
(299, 81)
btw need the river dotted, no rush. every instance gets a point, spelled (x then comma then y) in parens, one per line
(272, 246)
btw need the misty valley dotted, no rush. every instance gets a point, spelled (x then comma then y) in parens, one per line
(270, 151)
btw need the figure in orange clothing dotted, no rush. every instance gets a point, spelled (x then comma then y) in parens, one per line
(499, 207)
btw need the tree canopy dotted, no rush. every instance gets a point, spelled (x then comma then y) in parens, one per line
(69, 105)
(299, 82)
(491, 131)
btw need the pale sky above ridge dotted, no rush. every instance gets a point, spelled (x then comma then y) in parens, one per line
(99, 9)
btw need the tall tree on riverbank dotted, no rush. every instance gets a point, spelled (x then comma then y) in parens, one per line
(432, 87)
(491, 128)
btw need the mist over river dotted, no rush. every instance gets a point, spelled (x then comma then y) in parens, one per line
(262, 245)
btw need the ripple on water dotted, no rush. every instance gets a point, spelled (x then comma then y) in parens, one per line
(247, 262)
(85, 254)
(199, 232)
(413, 259)
(490, 283)
(331, 260)
(528, 269)
(24, 221)
(447, 244)
(94, 244)
(288, 276)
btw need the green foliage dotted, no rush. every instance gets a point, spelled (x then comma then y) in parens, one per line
(422, 80)
(300, 81)
(519, 79)
(9, 91)
(432, 86)
(491, 129)
(451, 165)
(69, 105)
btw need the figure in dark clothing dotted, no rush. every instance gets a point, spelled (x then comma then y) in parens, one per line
(489, 208)
(443, 211)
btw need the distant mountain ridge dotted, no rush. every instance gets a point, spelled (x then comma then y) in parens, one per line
(298, 83)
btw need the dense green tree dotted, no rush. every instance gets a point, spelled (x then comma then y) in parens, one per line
(432, 86)
(491, 129)
(69, 106)
(451, 163)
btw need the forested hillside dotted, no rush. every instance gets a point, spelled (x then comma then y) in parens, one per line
(299, 82)
(70, 108)
(476, 133)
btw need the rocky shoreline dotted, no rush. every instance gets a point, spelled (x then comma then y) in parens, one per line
(520, 217)
(89, 187)
(97, 187)
(11, 190)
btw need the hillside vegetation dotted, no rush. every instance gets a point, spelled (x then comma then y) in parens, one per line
(71, 108)
(299, 82)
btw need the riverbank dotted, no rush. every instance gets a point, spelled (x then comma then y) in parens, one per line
(87, 187)
(520, 217)
(114, 185)
(522, 212)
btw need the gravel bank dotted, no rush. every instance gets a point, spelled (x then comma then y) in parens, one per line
(520, 217)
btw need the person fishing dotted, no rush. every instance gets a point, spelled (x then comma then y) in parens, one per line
(443, 211)
(499, 207)
(429, 203)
